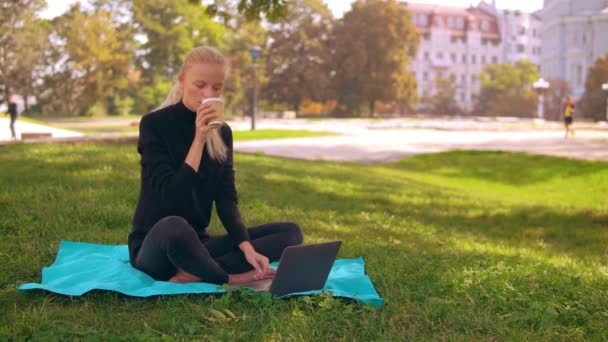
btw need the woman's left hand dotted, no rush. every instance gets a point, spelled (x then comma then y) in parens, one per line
(255, 259)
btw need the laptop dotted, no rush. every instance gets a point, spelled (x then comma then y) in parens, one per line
(301, 268)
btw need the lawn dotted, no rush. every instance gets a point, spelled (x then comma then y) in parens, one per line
(461, 245)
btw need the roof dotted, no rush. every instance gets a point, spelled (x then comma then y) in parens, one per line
(459, 20)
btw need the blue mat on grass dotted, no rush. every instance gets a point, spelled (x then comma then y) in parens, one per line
(82, 267)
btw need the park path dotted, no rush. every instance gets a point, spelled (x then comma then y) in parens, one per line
(372, 141)
(29, 127)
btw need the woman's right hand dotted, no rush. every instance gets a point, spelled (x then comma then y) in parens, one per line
(204, 114)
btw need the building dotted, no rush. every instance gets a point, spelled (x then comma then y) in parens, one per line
(457, 42)
(520, 33)
(572, 39)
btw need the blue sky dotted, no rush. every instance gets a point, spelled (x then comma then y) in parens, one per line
(338, 7)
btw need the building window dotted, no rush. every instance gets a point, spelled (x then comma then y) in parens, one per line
(425, 76)
(460, 23)
(463, 78)
(450, 22)
(453, 56)
(521, 48)
(533, 32)
(494, 60)
(464, 58)
(452, 78)
(439, 55)
(422, 20)
(426, 36)
(522, 30)
(426, 55)
(473, 59)
(473, 78)
(483, 59)
(485, 25)
(462, 97)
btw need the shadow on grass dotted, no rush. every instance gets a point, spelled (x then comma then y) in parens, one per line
(348, 192)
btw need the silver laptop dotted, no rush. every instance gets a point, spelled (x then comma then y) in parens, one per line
(301, 268)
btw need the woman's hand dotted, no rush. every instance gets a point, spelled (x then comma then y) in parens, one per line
(255, 259)
(204, 114)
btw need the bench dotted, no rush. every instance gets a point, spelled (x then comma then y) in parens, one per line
(35, 135)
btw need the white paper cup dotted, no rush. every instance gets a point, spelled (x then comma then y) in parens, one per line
(218, 104)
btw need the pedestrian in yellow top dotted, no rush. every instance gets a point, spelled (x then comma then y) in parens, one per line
(568, 116)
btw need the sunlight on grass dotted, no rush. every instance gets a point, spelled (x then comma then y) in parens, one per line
(461, 245)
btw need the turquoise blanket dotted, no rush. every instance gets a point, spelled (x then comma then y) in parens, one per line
(82, 267)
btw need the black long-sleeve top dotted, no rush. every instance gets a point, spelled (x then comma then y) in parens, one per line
(171, 187)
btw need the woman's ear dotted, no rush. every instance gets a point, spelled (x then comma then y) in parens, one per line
(180, 79)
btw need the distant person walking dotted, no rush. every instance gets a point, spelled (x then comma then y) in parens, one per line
(12, 111)
(568, 116)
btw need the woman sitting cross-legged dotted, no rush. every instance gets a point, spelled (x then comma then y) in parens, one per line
(186, 166)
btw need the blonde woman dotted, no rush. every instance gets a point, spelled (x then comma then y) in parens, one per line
(186, 166)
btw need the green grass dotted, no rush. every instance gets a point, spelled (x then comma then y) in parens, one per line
(277, 134)
(461, 245)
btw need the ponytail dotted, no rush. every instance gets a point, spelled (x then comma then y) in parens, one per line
(202, 54)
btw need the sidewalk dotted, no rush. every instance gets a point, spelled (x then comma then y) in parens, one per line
(28, 127)
(372, 146)
(372, 141)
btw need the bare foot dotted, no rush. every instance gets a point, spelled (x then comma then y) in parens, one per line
(183, 277)
(253, 275)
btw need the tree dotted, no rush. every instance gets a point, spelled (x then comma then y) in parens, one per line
(253, 9)
(507, 89)
(96, 57)
(298, 59)
(593, 102)
(443, 102)
(371, 48)
(18, 21)
(171, 29)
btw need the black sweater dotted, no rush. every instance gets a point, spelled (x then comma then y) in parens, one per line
(171, 187)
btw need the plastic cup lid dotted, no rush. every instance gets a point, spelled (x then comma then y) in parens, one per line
(211, 99)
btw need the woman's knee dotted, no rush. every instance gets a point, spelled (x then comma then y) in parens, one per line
(295, 233)
(175, 228)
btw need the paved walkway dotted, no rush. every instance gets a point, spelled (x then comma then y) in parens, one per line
(368, 140)
(28, 127)
(371, 141)
(389, 145)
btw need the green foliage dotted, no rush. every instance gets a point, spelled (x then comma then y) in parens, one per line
(507, 90)
(299, 58)
(252, 10)
(150, 96)
(23, 42)
(122, 105)
(98, 55)
(172, 28)
(371, 48)
(240, 37)
(593, 102)
(461, 245)
(444, 101)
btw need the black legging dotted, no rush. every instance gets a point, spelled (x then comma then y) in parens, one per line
(172, 243)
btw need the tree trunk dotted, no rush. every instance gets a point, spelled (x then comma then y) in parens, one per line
(372, 107)
(296, 106)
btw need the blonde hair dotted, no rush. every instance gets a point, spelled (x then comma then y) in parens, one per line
(202, 54)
